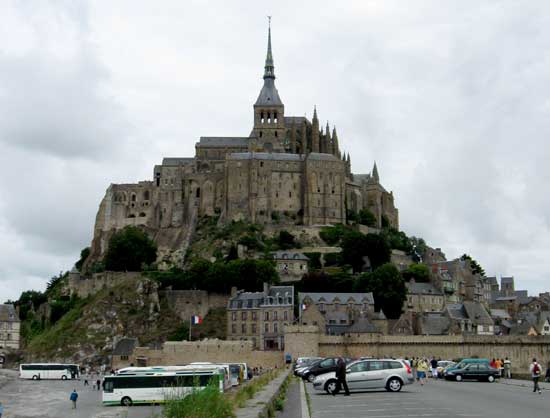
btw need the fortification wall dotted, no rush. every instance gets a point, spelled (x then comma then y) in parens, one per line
(300, 341)
(215, 351)
(84, 287)
(186, 303)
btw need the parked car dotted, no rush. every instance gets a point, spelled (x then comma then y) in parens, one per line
(473, 371)
(386, 374)
(305, 361)
(324, 366)
(299, 371)
(442, 365)
(463, 363)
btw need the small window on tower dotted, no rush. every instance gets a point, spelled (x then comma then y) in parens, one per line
(260, 134)
(275, 134)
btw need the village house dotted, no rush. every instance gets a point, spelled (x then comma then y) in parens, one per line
(260, 317)
(291, 266)
(423, 297)
(9, 327)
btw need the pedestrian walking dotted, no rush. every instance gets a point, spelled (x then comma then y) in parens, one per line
(86, 383)
(422, 369)
(507, 368)
(98, 383)
(341, 376)
(536, 371)
(414, 365)
(433, 363)
(73, 398)
(493, 364)
(547, 375)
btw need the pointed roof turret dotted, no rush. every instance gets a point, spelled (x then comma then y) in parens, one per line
(315, 131)
(375, 173)
(335, 144)
(269, 96)
(269, 69)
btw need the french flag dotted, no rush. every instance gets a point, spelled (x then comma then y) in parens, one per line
(196, 320)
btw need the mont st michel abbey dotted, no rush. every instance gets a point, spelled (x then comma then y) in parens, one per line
(288, 170)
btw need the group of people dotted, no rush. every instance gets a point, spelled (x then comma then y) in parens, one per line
(420, 367)
(504, 366)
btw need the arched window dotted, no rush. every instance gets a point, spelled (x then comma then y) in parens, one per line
(146, 195)
(131, 215)
(198, 192)
(142, 215)
(133, 197)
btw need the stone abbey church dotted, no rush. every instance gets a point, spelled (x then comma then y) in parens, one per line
(288, 170)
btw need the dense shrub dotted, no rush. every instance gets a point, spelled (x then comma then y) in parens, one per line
(205, 403)
(129, 250)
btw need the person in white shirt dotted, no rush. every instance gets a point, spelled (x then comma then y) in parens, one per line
(536, 371)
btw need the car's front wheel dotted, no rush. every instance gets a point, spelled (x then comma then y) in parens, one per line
(491, 379)
(458, 378)
(331, 387)
(394, 385)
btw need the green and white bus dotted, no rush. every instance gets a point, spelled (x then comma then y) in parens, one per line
(158, 386)
(39, 371)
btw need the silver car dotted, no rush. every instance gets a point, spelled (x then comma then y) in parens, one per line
(386, 374)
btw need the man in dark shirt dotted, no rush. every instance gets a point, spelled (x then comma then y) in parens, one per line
(341, 376)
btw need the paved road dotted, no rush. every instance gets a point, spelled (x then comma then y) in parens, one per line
(436, 399)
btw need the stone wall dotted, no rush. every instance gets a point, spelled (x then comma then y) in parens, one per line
(84, 287)
(186, 303)
(215, 351)
(305, 341)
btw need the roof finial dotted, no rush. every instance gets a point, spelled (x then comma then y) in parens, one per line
(269, 69)
(375, 173)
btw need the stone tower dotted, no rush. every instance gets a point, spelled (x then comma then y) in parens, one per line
(269, 111)
(315, 132)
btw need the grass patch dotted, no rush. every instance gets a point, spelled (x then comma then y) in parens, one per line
(205, 403)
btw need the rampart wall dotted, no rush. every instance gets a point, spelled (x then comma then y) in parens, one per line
(305, 341)
(84, 287)
(215, 351)
(186, 303)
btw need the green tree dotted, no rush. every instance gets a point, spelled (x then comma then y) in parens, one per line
(418, 272)
(286, 240)
(388, 288)
(233, 254)
(476, 267)
(356, 245)
(333, 234)
(366, 217)
(83, 256)
(130, 249)
(397, 240)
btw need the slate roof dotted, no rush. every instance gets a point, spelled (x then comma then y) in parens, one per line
(297, 120)
(322, 157)
(505, 298)
(125, 347)
(343, 297)
(456, 311)
(500, 313)
(521, 329)
(175, 161)
(222, 141)
(8, 313)
(434, 324)
(281, 291)
(248, 300)
(337, 316)
(506, 280)
(276, 156)
(477, 313)
(492, 280)
(269, 96)
(286, 255)
(422, 289)
(363, 326)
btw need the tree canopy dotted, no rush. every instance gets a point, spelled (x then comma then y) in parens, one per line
(418, 272)
(388, 288)
(476, 267)
(83, 256)
(129, 250)
(356, 245)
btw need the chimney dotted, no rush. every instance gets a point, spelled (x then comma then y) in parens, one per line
(266, 288)
(233, 291)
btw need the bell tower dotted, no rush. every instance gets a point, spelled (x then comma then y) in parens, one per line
(269, 111)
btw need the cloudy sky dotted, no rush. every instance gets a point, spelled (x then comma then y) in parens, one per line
(452, 99)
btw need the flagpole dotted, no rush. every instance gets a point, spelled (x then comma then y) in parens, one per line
(190, 325)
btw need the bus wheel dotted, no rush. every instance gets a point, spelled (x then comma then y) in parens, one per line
(63, 377)
(35, 377)
(126, 401)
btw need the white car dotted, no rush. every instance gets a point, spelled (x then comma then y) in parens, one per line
(386, 374)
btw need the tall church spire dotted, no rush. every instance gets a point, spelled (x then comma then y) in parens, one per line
(269, 69)
(375, 175)
(315, 131)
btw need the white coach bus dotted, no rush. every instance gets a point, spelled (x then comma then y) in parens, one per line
(135, 387)
(38, 371)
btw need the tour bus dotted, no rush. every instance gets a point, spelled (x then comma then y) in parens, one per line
(38, 371)
(227, 383)
(156, 387)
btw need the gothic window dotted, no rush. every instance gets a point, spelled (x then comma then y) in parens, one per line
(262, 117)
(261, 134)
(266, 327)
(243, 328)
(133, 197)
(275, 315)
(234, 328)
(198, 192)
(275, 119)
(266, 316)
(261, 163)
(285, 316)
(146, 195)
(268, 117)
(275, 327)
